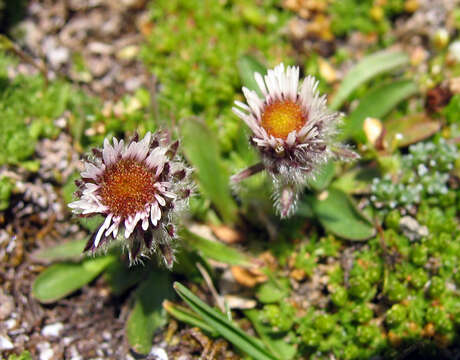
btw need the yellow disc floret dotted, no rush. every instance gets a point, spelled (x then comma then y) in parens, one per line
(282, 117)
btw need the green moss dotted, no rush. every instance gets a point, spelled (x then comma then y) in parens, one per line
(6, 187)
(362, 15)
(194, 48)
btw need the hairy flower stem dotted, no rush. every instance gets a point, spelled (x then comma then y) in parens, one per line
(251, 170)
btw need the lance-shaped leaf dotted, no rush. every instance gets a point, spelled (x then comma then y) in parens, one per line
(244, 342)
(213, 249)
(201, 149)
(187, 316)
(70, 250)
(148, 314)
(339, 215)
(366, 69)
(377, 103)
(62, 279)
(247, 66)
(410, 129)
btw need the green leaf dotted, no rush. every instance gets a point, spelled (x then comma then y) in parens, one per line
(148, 314)
(62, 279)
(187, 316)
(201, 149)
(410, 129)
(91, 223)
(120, 277)
(246, 343)
(247, 66)
(214, 250)
(276, 343)
(377, 103)
(70, 250)
(339, 215)
(366, 69)
(324, 176)
(356, 181)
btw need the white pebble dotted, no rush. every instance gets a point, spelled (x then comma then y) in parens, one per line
(52, 330)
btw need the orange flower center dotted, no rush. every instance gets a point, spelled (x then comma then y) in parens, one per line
(126, 187)
(282, 117)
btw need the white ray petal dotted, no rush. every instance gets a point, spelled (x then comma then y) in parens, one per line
(155, 214)
(101, 230)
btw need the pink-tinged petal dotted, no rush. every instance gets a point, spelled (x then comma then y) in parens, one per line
(91, 171)
(169, 194)
(114, 227)
(145, 223)
(108, 153)
(242, 105)
(260, 82)
(156, 157)
(291, 138)
(101, 230)
(160, 200)
(155, 214)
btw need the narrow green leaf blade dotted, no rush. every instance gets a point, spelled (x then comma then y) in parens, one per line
(247, 66)
(246, 343)
(377, 103)
(338, 214)
(214, 250)
(324, 176)
(277, 345)
(366, 69)
(69, 250)
(62, 279)
(202, 150)
(187, 316)
(120, 277)
(148, 314)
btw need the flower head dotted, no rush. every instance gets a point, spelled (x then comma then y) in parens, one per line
(139, 188)
(293, 130)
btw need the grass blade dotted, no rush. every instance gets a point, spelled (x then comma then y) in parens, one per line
(366, 69)
(148, 314)
(189, 317)
(377, 103)
(247, 66)
(214, 250)
(201, 149)
(246, 343)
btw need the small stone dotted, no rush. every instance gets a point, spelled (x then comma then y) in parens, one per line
(128, 52)
(454, 50)
(158, 353)
(5, 343)
(6, 306)
(52, 330)
(238, 302)
(45, 351)
(412, 229)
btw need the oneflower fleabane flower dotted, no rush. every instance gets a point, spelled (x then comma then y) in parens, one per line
(139, 188)
(293, 131)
